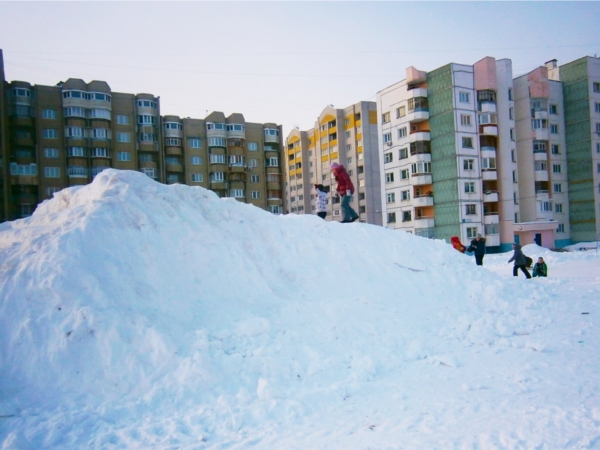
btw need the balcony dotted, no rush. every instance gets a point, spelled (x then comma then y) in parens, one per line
(540, 155)
(540, 175)
(424, 222)
(539, 114)
(488, 152)
(417, 92)
(177, 151)
(422, 200)
(418, 115)
(490, 218)
(174, 167)
(419, 136)
(489, 130)
(420, 179)
(488, 107)
(541, 134)
(489, 175)
(271, 138)
(490, 196)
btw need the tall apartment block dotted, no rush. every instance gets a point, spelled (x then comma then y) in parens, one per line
(447, 152)
(53, 137)
(543, 188)
(347, 136)
(581, 93)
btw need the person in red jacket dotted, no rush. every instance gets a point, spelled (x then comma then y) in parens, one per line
(345, 189)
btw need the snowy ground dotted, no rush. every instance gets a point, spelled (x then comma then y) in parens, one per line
(135, 315)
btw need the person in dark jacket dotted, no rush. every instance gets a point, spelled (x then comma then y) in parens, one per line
(478, 246)
(540, 269)
(520, 263)
(345, 189)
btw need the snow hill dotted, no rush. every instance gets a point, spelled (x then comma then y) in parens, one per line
(143, 316)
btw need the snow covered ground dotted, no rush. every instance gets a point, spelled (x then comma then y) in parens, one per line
(135, 315)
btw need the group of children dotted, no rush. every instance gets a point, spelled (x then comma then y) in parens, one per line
(344, 189)
(522, 262)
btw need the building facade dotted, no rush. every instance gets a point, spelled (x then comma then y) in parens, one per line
(543, 188)
(446, 140)
(54, 137)
(581, 90)
(347, 136)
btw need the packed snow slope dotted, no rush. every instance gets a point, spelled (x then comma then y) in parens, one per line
(135, 315)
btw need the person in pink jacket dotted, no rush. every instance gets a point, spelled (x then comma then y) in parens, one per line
(345, 189)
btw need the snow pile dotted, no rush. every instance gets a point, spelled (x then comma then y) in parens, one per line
(139, 315)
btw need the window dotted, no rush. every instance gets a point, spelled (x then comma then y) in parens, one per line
(146, 119)
(148, 172)
(467, 142)
(51, 152)
(253, 146)
(272, 162)
(557, 187)
(51, 190)
(76, 152)
(391, 197)
(172, 142)
(98, 113)
(539, 124)
(49, 114)
(401, 132)
(100, 152)
(597, 107)
(554, 129)
(50, 133)
(465, 119)
(514, 176)
(421, 167)
(596, 87)
(511, 113)
(173, 126)
(403, 153)
(406, 216)
(254, 179)
(122, 120)
(560, 228)
(217, 176)
(52, 172)
(470, 209)
(510, 94)
(216, 142)
(146, 104)
(197, 178)
(468, 164)
(387, 158)
(404, 174)
(123, 156)
(488, 163)
(100, 133)
(348, 147)
(513, 157)
(147, 137)
(512, 134)
(557, 168)
(272, 132)
(391, 217)
(558, 208)
(540, 165)
(255, 195)
(77, 171)
(253, 162)
(385, 117)
(471, 232)
(123, 137)
(469, 187)
(555, 149)
(405, 195)
(463, 97)
(235, 127)
(400, 112)
(545, 206)
(23, 169)
(389, 177)
(387, 137)
(553, 109)
(195, 143)
(196, 160)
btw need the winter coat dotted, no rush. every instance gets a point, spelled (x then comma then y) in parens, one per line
(540, 270)
(344, 183)
(477, 246)
(321, 200)
(457, 244)
(518, 257)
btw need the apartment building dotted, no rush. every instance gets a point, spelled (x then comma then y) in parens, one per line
(53, 137)
(581, 93)
(543, 187)
(446, 141)
(347, 136)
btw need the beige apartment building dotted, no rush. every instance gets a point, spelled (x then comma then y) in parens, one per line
(54, 137)
(347, 136)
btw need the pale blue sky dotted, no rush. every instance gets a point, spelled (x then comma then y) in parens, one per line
(279, 62)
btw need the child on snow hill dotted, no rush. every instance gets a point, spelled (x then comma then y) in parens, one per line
(345, 189)
(478, 246)
(540, 269)
(520, 262)
(455, 240)
(321, 200)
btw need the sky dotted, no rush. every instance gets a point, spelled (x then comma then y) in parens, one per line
(138, 315)
(281, 62)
